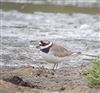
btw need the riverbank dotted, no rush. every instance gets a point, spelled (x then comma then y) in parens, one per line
(31, 7)
(33, 79)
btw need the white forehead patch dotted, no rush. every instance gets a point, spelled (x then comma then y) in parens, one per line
(43, 42)
(47, 42)
(43, 47)
(39, 43)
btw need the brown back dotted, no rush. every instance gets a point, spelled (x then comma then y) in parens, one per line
(60, 51)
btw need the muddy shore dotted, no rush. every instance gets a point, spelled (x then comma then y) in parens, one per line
(31, 80)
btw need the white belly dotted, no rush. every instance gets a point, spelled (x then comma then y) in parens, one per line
(51, 58)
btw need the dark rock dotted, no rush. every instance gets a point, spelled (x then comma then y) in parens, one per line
(18, 81)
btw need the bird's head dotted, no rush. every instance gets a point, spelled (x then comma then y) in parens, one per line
(44, 44)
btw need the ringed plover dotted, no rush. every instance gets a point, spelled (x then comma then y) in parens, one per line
(53, 53)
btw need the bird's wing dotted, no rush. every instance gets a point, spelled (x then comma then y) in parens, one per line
(60, 51)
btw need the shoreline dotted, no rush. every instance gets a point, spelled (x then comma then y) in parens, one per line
(48, 81)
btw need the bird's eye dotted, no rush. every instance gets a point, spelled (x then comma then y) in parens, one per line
(40, 44)
(43, 43)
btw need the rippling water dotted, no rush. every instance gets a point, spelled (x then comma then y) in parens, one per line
(76, 32)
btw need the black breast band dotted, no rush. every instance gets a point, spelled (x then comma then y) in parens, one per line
(45, 50)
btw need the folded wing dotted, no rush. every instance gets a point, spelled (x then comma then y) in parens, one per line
(60, 51)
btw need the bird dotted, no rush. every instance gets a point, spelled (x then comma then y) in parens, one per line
(53, 53)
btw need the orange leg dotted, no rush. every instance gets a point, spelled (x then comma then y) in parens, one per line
(54, 66)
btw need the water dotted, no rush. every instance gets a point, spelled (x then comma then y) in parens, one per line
(59, 2)
(76, 32)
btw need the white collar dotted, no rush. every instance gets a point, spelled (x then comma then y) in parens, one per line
(43, 47)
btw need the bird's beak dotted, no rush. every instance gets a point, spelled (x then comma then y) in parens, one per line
(37, 46)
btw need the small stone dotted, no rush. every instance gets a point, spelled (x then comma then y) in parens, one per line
(52, 73)
(63, 88)
(46, 75)
(38, 74)
(33, 67)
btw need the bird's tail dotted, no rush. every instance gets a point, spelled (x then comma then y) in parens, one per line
(79, 53)
(76, 53)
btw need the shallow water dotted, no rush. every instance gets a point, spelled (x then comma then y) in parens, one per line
(76, 32)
